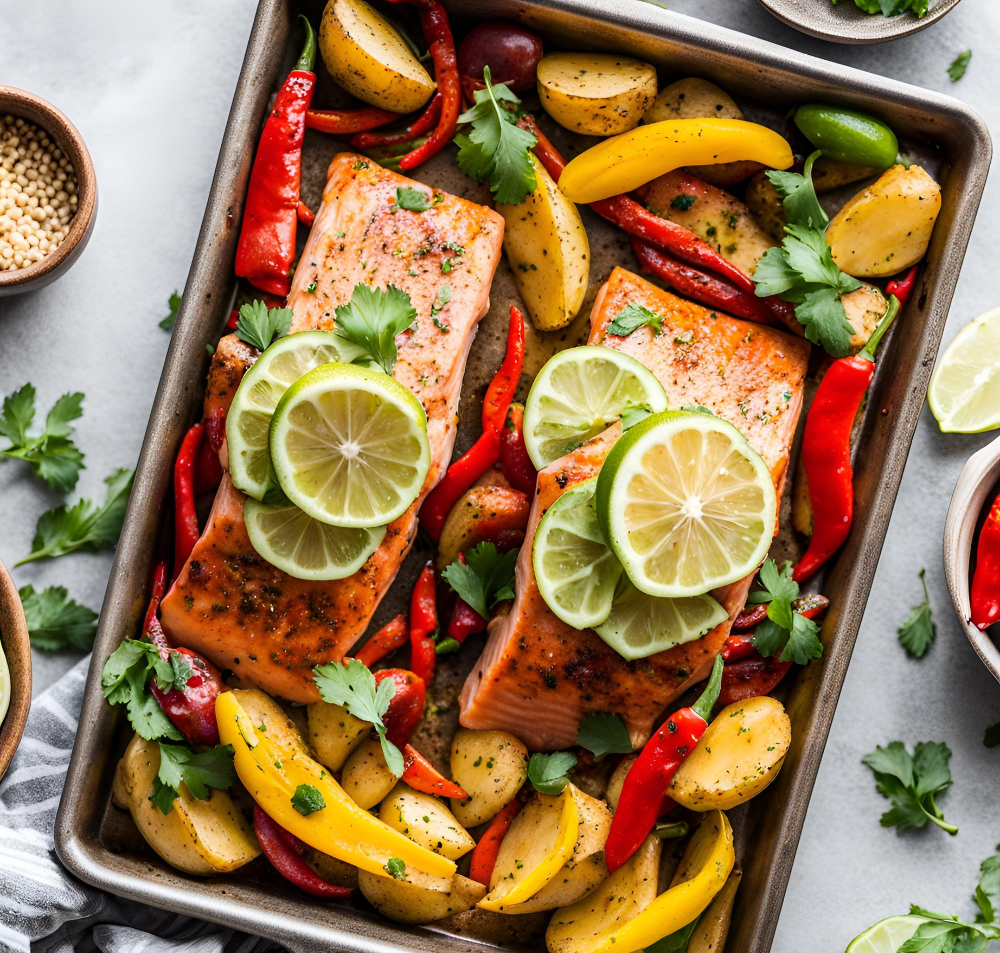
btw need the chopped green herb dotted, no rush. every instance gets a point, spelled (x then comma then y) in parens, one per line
(683, 202)
(632, 317)
(412, 200)
(395, 868)
(307, 800)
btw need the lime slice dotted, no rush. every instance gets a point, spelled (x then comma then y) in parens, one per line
(578, 393)
(306, 548)
(349, 445)
(249, 418)
(886, 936)
(686, 504)
(964, 392)
(640, 625)
(575, 569)
(4, 685)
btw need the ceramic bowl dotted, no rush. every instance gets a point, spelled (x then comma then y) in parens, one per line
(19, 102)
(845, 23)
(977, 485)
(17, 649)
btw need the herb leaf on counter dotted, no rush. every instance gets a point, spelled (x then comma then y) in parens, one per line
(603, 733)
(916, 631)
(959, 65)
(632, 317)
(988, 888)
(258, 325)
(784, 630)
(125, 681)
(198, 772)
(373, 318)
(55, 621)
(911, 782)
(174, 304)
(549, 773)
(485, 578)
(991, 737)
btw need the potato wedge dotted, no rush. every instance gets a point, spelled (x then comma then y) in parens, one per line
(497, 513)
(491, 767)
(365, 55)
(598, 94)
(365, 777)
(738, 756)
(548, 251)
(334, 733)
(331, 869)
(426, 820)
(829, 174)
(269, 717)
(886, 227)
(766, 205)
(613, 791)
(199, 837)
(713, 927)
(864, 308)
(407, 902)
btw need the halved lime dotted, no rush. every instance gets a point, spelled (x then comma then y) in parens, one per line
(886, 936)
(640, 625)
(578, 393)
(349, 445)
(249, 418)
(575, 569)
(306, 548)
(964, 392)
(686, 504)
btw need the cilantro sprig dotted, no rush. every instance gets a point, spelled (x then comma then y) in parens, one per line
(373, 318)
(258, 325)
(916, 632)
(959, 65)
(891, 8)
(173, 308)
(55, 621)
(604, 733)
(549, 773)
(485, 578)
(911, 783)
(634, 316)
(179, 765)
(784, 630)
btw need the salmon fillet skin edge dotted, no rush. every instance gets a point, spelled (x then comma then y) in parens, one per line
(538, 677)
(228, 603)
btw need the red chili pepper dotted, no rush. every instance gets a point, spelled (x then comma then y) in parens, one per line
(346, 122)
(186, 530)
(425, 122)
(465, 621)
(159, 587)
(486, 450)
(903, 288)
(826, 448)
(283, 849)
(647, 780)
(406, 707)
(751, 677)
(393, 635)
(985, 591)
(483, 858)
(421, 775)
(266, 247)
(207, 469)
(305, 214)
(192, 709)
(515, 463)
(423, 624)
(738, 646)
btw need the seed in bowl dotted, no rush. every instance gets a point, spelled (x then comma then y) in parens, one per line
(38, 196)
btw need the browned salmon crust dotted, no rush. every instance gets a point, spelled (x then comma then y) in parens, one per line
(239, 611)
(537, 676)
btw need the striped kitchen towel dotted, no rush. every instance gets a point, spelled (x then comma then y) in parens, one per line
(43, 908)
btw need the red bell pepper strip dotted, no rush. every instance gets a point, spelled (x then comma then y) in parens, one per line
(305, 214)
(484, 855)
(465, 621)
(903, 288)
(515, 463)
(985, 590)
(283, 849)
(423, 624)
(421, 775)
(738, 647)
(346, 122)
(826, 448)
(266, 247)
(425, 122)
(186, 530)
(192, 709)
(406, 707)
(207, 469)
(647, 780)
(393, 635)
(486, 450)
(751, 677)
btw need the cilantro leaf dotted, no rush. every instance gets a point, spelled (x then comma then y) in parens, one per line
(917, 630)
(988, 888)
(604, 733)
(485, 578)
(891, 8)
(174, 306)
(308, 800)
(84, 525)
(549, 773)
(632, 317)
(55, 621)
(911, 782)
(784, 630)
(52, 455)
(413, 200)
(197, 772)
(959, 65)
(991, 737)
(258, 325)
(373, 318)
(497, 150)
(799, 196)
(125, 681)
(676, 942)
(395, 868)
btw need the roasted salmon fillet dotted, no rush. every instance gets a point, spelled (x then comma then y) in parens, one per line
(539, 677)
(228, 603)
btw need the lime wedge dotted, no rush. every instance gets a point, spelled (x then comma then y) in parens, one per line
(575, 569)
(249, 418)
(349, 446)
(686, 504)
(964, 392)
(640, 625)
(578, 393)
(886, 936)
(306, 548)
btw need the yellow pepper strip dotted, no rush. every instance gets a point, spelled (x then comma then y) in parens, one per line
(527, 882)
(272, 773)
(623, 163)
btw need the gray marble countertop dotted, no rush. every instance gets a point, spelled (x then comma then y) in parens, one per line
(150, 85)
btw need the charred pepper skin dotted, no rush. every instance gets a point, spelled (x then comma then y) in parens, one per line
(985, 592)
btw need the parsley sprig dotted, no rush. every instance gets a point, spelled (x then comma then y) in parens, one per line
(634, 316)
(179, 765)
(784, 630)
(373, 318)
(604, 733)
(911, 783)
(485, 578)
(549, 773)
(258, 325)
(55, 621)
(916, 631)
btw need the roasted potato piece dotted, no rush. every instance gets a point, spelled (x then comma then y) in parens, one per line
(738, 756)
(713, 927)
(269, 717)
(491, 767)
(548, 251)
(829, 174)
(886, 227)
(613, 791)
(495, 513)
(426, 820)
(331, 869)
(334, 733)
(598, 94)
(864, 308)
(199, 837)
(408, 902)
(802, 511)
(766, 205)
(365, 55)
(365, 777)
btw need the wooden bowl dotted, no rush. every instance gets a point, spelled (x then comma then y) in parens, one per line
(19, 102)
(976, 487)
(17, 648)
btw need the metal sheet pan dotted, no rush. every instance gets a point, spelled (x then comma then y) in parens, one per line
(100, 844)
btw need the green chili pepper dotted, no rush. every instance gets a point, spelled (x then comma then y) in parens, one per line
(847, 135)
